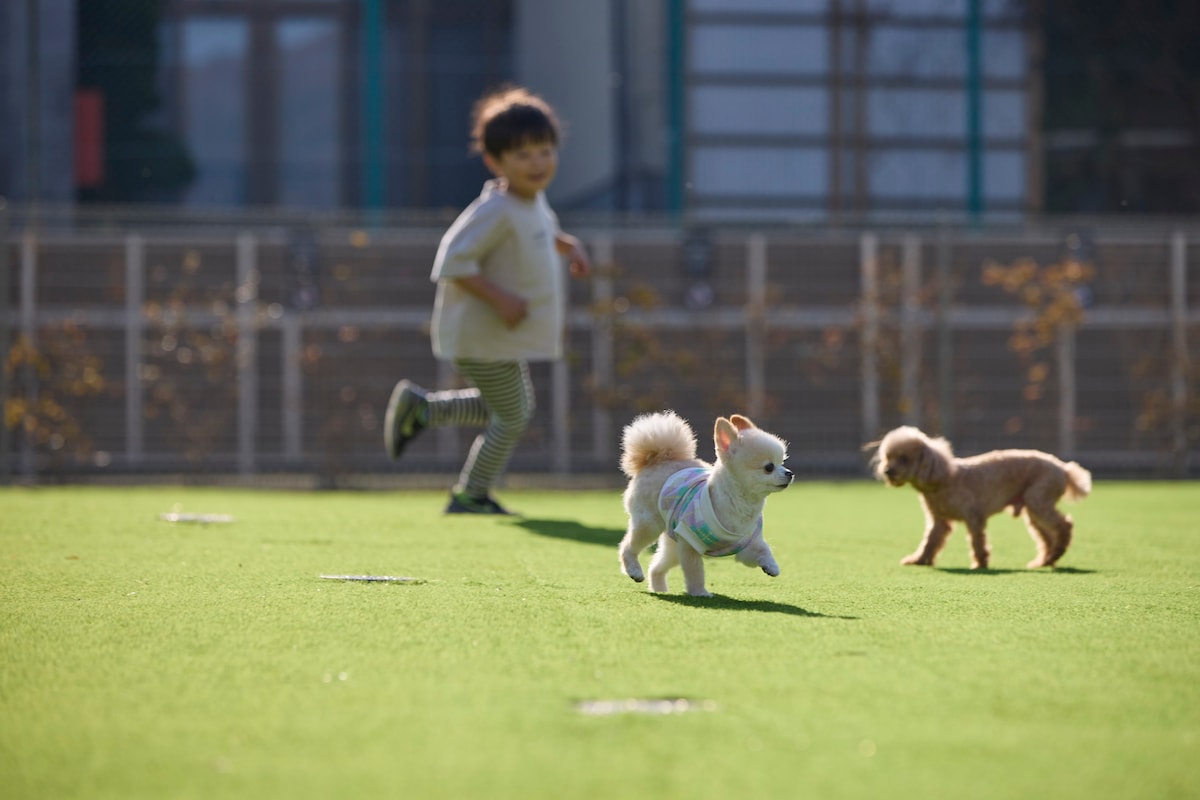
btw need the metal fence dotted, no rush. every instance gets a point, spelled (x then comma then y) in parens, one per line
(139, 345)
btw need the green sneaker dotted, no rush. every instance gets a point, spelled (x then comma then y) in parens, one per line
(463, 503)
(403, 418)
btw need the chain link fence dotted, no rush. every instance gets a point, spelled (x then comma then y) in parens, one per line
(256, 345)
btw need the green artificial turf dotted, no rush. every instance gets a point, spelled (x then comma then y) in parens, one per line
(141, 658)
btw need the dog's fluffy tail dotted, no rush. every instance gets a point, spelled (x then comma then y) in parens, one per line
(1079, 481)
(656, 438)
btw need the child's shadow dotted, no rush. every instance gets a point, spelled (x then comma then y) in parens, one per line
(572, 530)
(725, 603)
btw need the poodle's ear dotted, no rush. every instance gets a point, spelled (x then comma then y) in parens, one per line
(872, 448)
(741, 423)
(724, 435)
(936, 462)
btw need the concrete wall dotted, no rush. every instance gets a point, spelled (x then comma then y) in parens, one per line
(647, 76)
(564, 53)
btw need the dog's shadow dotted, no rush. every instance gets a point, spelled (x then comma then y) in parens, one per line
(991, 571)
(725, 603)
(572, 531)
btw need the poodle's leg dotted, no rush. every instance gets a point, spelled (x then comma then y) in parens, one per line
(638, 537)
(1040, 501)
(666, 556)
(1057, 528)
(935, 538)
(980, 552)
(1043, 539)
(1065, 533)
(693, 571)
(759, 555)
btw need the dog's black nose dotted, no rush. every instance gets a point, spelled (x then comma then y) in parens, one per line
(787, 473)
(890, 472)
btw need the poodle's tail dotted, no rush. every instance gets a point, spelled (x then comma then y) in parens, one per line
(1079, 481)
(654, 439)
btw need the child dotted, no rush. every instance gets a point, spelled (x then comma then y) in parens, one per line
(500, 297)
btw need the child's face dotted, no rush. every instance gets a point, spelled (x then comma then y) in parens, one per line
(528, 168)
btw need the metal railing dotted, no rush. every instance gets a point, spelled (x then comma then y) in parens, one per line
(827, 337)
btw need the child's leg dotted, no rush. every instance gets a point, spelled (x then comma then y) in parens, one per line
(456, 408)
(411, 409)
(507, 392)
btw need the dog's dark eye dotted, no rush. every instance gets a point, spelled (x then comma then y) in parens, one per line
(768, 468)
(901, 460)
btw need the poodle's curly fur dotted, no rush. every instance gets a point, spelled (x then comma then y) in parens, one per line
(1027, 482)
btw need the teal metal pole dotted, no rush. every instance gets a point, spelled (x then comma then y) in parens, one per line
(676, 33)
(372, 104)
(974, 112)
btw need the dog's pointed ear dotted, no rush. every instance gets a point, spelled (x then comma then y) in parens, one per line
(742, 423)
(724, 435)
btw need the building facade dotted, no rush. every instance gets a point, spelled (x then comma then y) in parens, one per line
(776, 110)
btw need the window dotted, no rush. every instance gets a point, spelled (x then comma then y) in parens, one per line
(213, 73)
(259, 88)
(310, 148)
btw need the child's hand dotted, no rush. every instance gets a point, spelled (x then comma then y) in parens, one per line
(576, 256)
(511, 309)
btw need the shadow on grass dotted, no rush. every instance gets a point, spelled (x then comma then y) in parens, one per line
(725, 603)
(572, 530)
(990, 571)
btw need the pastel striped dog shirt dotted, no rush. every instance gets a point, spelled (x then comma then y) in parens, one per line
(686, 506)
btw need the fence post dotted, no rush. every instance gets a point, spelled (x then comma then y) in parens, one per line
(5, 345)
(945, 336)
(247, 350)
(292, 378)
(135, 295)
(869, 270)
(1180, 362)
(602, 349)
(1066, 390)
(560, 401)
(756, 325)
(28, 338)
(910, 331)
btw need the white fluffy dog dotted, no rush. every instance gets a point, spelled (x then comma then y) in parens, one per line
(692, 508)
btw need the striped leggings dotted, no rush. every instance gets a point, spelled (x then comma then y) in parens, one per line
(502, 402)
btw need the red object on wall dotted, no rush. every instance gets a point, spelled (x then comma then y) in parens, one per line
(89, 138)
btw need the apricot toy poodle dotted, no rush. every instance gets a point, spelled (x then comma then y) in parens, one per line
(1027, 482)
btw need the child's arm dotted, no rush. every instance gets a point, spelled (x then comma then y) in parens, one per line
(511, 308)
(572, 248)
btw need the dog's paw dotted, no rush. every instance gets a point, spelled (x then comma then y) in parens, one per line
(771, 569)
(700, 593)
(915, 559)
(633, 569)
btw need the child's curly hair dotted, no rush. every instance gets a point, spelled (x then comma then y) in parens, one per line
(510, 117)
